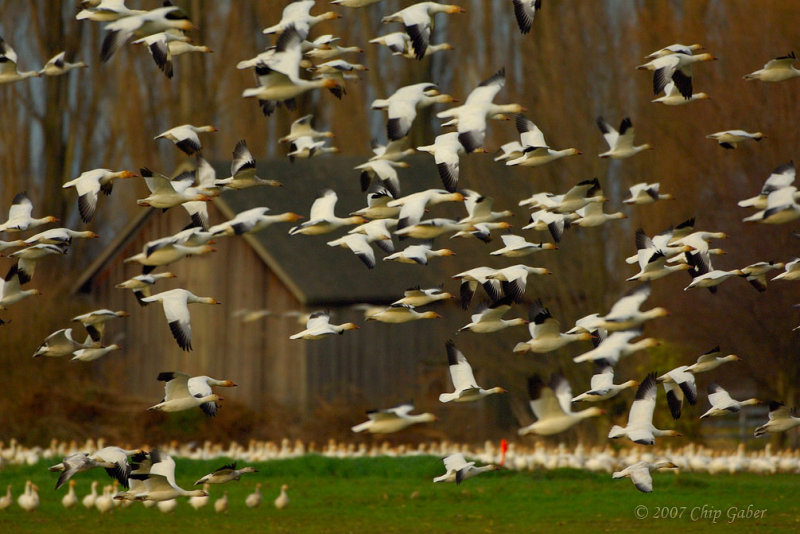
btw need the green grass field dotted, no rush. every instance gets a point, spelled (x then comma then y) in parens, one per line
(397, 495)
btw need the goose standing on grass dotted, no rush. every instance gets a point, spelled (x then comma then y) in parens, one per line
(401, 313)
(776, 70)
(156, 20)
(640, 427)
(200, 501)
(490, 319)
(243, 171)
(282, 500)
(8, 65)
(226, 473)
(88, 500)
(722, 403)
(551, 405)
(516, 247)
(418, 21)
(644, 193)
(602, 384)
(466, 388)
(221, 504)
(29, 500)
(176, 309)
(545, 332)
(95, 321)
(11, 291)
(524, 11)
(393, 419)
(90, 183)
(70, 499)
(458, 469)
(254, 499)
(639, 473)
(402, 106)
(679, 383)
(322, 219)
(620, 143)
(170, 505)
(185, 137)
(535, 150)
(59, 343)
(140, 285)
(732, 138)
(319, 326)
(781, 419)
(178, 396)
(59, 64)
(7, 499)
(676, 68)
(19, 216)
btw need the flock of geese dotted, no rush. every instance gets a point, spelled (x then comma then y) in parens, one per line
(150, 475)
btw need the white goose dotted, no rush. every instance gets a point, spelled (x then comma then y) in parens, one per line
(644, 193)
(10, 290)
(359, 244)
(19, 216)
(640, 427)
(176, 309)
(185, 137)
(226, 473)
(70, 499)
(254, 499)
(164, 254)
(393, 419)
(472, 278)
(282, 500)
(418, 254)
(59, 343)
(756, 273)
(545, 334)
(7, 499)
(28, 257)
(722, 403)
(252, 221)
(592, 215)
(298, 15)
(625, 314)
(458, 469)
(94, 353)
(243, 170)
(466, 388)
(639, 473)
(147, 23)
(302, 128)
(676, 48)
(524, 11)
(673, 97)
(781, 207)
(200, 501)
(780, 420)
(94, 321)
(381, 171)
(490, 319)
(306, 147)
(620, 143)
(221, 504)
(446, 149)
(402, 106)
(90, 183)
(417, 19)
(516, 247)
(551, 405)
(105, 10)
(322, 219)
(677, 68)
(412, 207)
(319, 326)
(140, 284)
(791, 270)
(58, 65)
(8, 65)
(159, 484)
(29, 500)
(602, 384)
(776, 70)
(732, 138)
(782, 176)
(377, 231)
(514, 279)
(177, 395)
(612, 348)
(88, 500)
(401, 313)
(417, 297)
(59, 236)
(535, 150)
(164, 46)
(679, 383)
(200, 386)
(703, 276)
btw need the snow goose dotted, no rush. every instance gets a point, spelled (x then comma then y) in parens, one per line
(88, 500)
(446, 149)
(28, 257)
(639, 473)
(94, 353)
(140, 284)
(200, 386)
(170, 504)
(776, 70)
(471, 116)
(159, 484)
(781, 207)
(732, 138)
(782, 176)
(282, 500)
(466, 388)
(382, 172)
(164, 46)
(147, 23)
(377, 231)
(243, 170)
(359, 245)
(490, 319)
(5, 245)
(652, 260)
(7, 499)
(412, 207)
(602, 383)
(677, 68)
(581, 194)
(516, 247)
(59, 343)
(479, 208)
(555, 223)
(319, 326)
(176, 308)
(70, 499)
(756, 273)
(668, 243)
(544, 330)
(19, 216)
(166, 193)
(722, 403)
(640, 427)
(402, 106)
(254, 499)
(391, 151)
(330, 49)
(165, 254)
(8, 65)
(392, 419)
(509, 151)
(199, 502)
(418, 21)
(791, 270)
(298, 15)
(433, 228)
(113, 459)
(592, 215)
(702, 274)
(612, 348)
(513, 279)
(781, 419)
(551, 405)
(378, 198)
(524, 11)
(535, 150)
(354, 3)
(90, 183)
(458, 469)
(59, 236)
(226, 473)
(185, 137)
(105, 10)
(644, 193)
(278, 77)
(178, 397)
(401, 313)
(620, 143)
(302, 128)
(59, 64)
(221, 504)
(252, 221)
(306, 147)
(711, 360)
(679, 383)
(11, 291)
(419, 254)
(673, 97)
(472, 278)
(482, 230)
(322, 220)
(676, 48)
(29, 500)
(422, 297)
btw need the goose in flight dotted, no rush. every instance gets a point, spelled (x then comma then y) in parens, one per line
(524, 11)
(679, 383)
(490, 319)
(302, 128)
(458, 469)
(644, 193)
(297, 16)
(418, 297)
(185, 137)
(95, 321)
(140, 284)
(640, 427)
(402, 106)
(551, 404)
(318, 326)
(154, 21)
(620, 143)
(19, 216)
(89, 185)
(322, 219)
(8, 65)
(113, 459)
(535, 150)
(516, 247)
(176, 309)
(675, 68)
(252, 221)
(226, 473)
(200, 386)
(401, 313)
(731, 138)
(159, 483)
(612, 348)
(466, 388)
(418, 21)
(243, 170)
(392, 419)
(59, 343)
(781, 419)
(545, 332)
(513, 279)
(179, 396)
(776, 70)
(722, 403)
(60, 64)
(11, 291)
(639, 473)
(602, 384)
(782, 176)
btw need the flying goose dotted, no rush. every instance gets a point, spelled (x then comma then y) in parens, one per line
(298, 15)
(544, 330)
(359, 244)
(472, 278)
(640, 427)
(703, 276)
(516, 247)
(59, 343)
(781, 207)
(722, 403)
(620, 143)
(513, 279)
(781, 419)
(551, 404)
(19, 216)
(446, 149)
(676, 48)
(776, 70)
(322, 219)
(140, 284)
(178, 396)
(392, 419)
(639, 473)
(401, 313)
(732, 138)
(602, 383)
(466, 388)
(679, 383)
(226, 473)
(176, 309)
(791, 270)
(612, 348)
(302, 128)
(418, 21)
(185, 137)
(673, 97)
(164, 46)
(28, 257)
(200, 386)
(381, 171)
(377, 231)
(252, 221)
(677, 68)
(418, 297)
(458, 469)
(154, 21)
(306, 147)
(113, 459)
(11, 291)
(159, 483)
(243, 170)
(402, 106)
(535, 150)
(319, 326)
(490, 319)
(105, 11)
(60, 64)
(94, 321)
(90, 183)
(412, 207)
(782, 176)
(524, 11)
(8, 65)
(711, 360)
(644, 193)
(419, 254)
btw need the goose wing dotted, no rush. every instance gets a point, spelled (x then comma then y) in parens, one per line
(460, 370)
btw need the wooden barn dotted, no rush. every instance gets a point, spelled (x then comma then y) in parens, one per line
(379, 364)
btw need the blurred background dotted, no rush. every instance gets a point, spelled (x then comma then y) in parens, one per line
(577, 63)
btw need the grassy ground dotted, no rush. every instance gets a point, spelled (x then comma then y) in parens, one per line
(397, 495)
